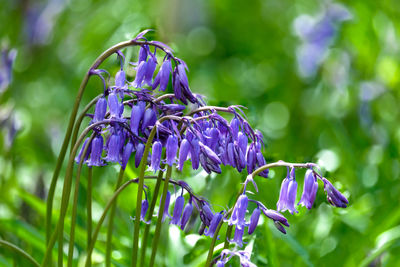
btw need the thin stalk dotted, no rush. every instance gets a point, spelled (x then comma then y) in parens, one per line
(228, 236)
(111, 221)
(65, 197)
(103, 216)
(64, 147)
(142, 168)
(75, 204)
(150, 215)
(89, 207)
(19, 251)
(228, 231)
(82, 116)
(159, 220)
(212, 245)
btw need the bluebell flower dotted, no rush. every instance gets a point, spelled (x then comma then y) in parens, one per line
(183, 153)
(113, 148)
(243, 255)
(162, 77)
(143, 51)
(187, 212)
(156, 156)
(213, 224)
(255, 216)
(100, 110)
(116, 107)
(166, 206)
(291, 199)
(181, 85)
(150, 68)
(176, 215)
(136, 116)
(206, 214)
(195, 153)
(275, 216)
(85, 143)
(140, 74)
(310, 188)
(234, 126)
(238, 236)
(287, 197)
(128, 149)
(149, 119)
(282, 202)
(251, 159)
(143, 211)
(239, 212)
(139, 154)
(334, 197)
(120, 79)
(242, 142)
(171, 149)
(96, 151)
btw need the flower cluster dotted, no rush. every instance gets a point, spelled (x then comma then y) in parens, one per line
(127, 112)
(132, 117)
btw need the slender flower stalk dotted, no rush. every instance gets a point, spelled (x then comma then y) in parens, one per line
(160, 218)
(89, 208)
(111, 221)
(74, 207)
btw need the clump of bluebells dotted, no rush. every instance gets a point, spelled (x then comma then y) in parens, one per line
(154, 119)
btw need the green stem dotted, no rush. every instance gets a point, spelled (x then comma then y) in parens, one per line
(111, 221)
(82, 116)
(228, 232)
(75, 204)
(150, 215)
(103, 216)
(159, 220)
(60, 159)
(89, 208)
(142, 168)
(19, 251)
(212, 245)
(228, 236)
(64, 200)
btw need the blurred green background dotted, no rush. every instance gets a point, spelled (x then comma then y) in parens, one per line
(320, 80)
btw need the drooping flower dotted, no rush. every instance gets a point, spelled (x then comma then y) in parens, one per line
(162, 77)
(139, 154)
(309, 189)
(287, 197)
(100, 110)
(239, 212)
(213, 224)
(126, 154)
(183, 153)
(143, 211)
(171, 149)
(166, 206)
(238, 236)
(334, 196)
(113, 148)
(255, 216)
(187, 212)
(176, 215)
(136, 116)
(156, 156)
(96, 151)
(85, 143)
